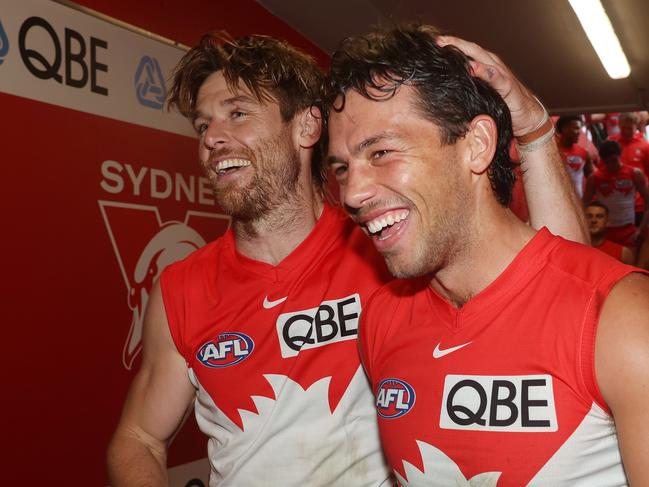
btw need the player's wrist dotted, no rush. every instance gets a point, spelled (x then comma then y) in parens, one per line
(539, 135)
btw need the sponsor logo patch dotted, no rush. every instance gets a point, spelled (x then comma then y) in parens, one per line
(394, 398)
(521, 403)
(227, 349)
(331, 322)
(575, 162)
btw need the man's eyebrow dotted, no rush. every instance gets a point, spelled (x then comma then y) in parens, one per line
(239, 99)
(370, 141)
(196, 114)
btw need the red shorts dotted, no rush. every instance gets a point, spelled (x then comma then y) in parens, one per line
(624, 235)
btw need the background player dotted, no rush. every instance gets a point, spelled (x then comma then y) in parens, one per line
(575, 157)
(597, 218)
(635, 152)
(615, 184)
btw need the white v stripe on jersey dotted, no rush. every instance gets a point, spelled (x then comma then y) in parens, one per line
(271, 304)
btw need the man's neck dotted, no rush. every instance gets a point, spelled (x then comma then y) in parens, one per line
(491, 248)
(565, 143)
(597, 239)
(274, 237)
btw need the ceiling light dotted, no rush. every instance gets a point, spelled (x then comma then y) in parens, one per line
(601, 35)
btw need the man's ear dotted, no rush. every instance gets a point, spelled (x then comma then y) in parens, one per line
(481, 139)
(309, 127)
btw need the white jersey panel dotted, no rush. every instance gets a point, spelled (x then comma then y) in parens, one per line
(318, 448)
(590, 457)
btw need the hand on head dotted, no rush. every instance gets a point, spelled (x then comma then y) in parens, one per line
(526, 111)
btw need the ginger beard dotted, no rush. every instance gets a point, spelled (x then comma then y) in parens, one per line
(273, 183)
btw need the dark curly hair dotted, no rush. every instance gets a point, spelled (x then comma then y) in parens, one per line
(610, 148)
(271, 69)
(449, 96)
(565, 120)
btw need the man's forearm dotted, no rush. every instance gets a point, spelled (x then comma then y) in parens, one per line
(134, 463)
(551, 198)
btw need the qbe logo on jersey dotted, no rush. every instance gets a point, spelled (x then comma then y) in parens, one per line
(521, 403)
(394, 398)
(331, 322)
(227, 349)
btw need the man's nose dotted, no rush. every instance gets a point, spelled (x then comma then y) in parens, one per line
(215, 135)
(359, 188)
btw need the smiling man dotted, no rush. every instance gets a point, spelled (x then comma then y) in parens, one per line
(258, 329)
(515, 357)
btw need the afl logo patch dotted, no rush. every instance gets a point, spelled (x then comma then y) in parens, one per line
(394, 398)
(227, 349)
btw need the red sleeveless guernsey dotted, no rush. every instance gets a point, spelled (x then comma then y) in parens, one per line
(272, 351)
(501, 391)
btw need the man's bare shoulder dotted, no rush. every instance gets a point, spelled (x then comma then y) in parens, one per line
(623, 337)
(621, 364)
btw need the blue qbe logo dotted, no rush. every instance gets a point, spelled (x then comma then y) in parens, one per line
(4, 44)
(150, 84)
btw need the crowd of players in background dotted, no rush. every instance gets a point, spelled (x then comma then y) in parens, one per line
(607, 157)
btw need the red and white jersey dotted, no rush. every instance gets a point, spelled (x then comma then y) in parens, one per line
(617, 191)
(635, 153)
(574, 158)
(272, 351)
(501, 391)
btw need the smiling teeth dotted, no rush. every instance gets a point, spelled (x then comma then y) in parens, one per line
(375, 226)
(228, 163)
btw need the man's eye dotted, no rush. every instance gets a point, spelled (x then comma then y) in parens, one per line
(237, 114)
(339, 170)
(201, 128)
(380, 153)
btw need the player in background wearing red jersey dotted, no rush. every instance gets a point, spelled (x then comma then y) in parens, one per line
(597, 218)
(635, 153)
(575, 157)
(258, 328)
(515, 357)
(615, 184)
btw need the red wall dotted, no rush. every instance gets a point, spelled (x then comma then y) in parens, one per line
(65, 313)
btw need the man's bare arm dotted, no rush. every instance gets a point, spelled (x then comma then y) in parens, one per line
(621, 364)
(643, 255)
(628, 256)
(157, 402)
(641, 187)
(551, 198)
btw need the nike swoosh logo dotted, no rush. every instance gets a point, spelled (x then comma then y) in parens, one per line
(439, 353)
(271, 304)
